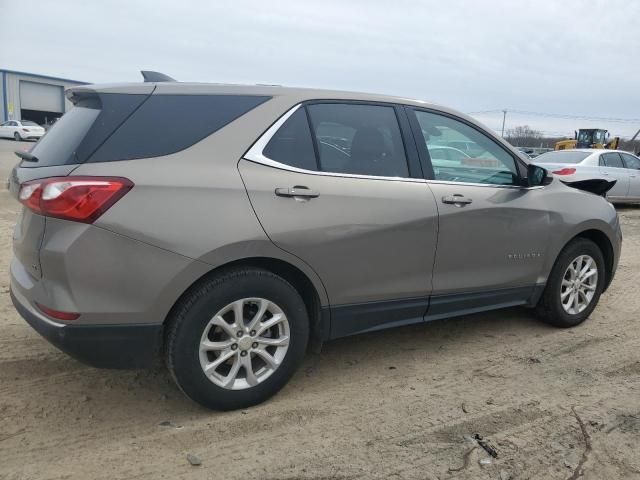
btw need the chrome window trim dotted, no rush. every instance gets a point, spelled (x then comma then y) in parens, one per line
(255, 154)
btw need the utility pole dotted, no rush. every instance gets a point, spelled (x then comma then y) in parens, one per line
(504, 117)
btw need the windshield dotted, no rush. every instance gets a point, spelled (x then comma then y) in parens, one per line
(585, 136)
(562, 156)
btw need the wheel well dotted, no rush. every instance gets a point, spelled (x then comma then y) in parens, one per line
(291, 274)
(603, 242)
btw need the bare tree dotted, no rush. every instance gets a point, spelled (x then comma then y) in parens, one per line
(524, 136)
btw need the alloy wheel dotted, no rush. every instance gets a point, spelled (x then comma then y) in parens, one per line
(244, 343)
(579, 284)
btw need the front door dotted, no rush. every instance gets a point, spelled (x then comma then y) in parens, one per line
(632, 164)
(611, 166)
(336, 187)
(492, 232)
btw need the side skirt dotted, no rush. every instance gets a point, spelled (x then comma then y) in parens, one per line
(371, 316)
(453, 305)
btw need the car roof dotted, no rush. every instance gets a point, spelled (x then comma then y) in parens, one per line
(592, 150)
(299, 93)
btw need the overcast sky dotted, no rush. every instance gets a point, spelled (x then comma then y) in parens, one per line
(549, 56)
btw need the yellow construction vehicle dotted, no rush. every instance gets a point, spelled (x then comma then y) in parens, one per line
(589, 138)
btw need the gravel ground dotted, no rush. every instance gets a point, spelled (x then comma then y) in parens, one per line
(395, 404)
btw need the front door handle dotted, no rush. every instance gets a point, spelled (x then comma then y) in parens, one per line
(456, 199)
(297, 191)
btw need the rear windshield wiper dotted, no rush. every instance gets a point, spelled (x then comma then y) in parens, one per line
(26, 156)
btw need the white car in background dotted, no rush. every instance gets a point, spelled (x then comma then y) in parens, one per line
(583, 164)
(21, 130)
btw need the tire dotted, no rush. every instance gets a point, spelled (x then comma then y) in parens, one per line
(17, 137)
(550, 307)
(191, 323)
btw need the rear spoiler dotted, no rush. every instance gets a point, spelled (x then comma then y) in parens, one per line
(84, 92)
(599, 186)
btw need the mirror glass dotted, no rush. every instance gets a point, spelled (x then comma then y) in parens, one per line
(536, 175)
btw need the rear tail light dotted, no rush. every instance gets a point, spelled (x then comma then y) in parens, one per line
(79, 199)
(564, 171)
(57, 314)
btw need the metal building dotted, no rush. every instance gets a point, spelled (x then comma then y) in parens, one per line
(29, 96)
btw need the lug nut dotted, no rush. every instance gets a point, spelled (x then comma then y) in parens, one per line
(239, 334)
(253, 333)
(243, 353)
(254, 345)
(234, 346)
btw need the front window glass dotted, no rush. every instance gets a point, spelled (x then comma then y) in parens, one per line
(631, 161)
(460, 153)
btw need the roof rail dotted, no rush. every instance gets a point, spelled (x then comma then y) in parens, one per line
(151, 76)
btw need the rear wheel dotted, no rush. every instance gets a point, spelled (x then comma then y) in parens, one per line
(17, 137)
(574, 286)
(236, 339)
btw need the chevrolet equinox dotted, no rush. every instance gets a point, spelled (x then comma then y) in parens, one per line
(227, 229)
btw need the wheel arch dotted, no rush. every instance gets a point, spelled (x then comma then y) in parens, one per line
(606, 247)
(312, 297)
(602, 240)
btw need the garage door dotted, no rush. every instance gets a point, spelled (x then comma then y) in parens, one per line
(40, 96)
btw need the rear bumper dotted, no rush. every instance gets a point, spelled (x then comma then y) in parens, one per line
(103, 346)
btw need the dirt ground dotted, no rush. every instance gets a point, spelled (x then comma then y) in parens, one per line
(395, 404)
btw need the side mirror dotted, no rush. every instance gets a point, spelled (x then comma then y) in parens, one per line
(536, 175)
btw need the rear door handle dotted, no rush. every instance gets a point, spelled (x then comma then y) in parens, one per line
(456, 199)
(297, 191)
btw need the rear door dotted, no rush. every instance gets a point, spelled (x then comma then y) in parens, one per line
(337, 184)
(4, 130)
(492, 232)
(612, 166)
(632, 164)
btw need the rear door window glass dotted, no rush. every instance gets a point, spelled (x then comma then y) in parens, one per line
(358, 139)
(611, 160)
(292, 143)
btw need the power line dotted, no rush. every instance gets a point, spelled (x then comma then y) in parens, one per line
(562, 115)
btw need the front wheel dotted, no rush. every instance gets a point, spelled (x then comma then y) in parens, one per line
(237, 338)
(17, 137)
(574, 285)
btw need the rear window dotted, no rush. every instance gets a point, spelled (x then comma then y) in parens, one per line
(562, 156)
(166, 124)
(110, 127)
(59, 145)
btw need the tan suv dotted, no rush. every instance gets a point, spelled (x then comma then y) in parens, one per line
(227, 228)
